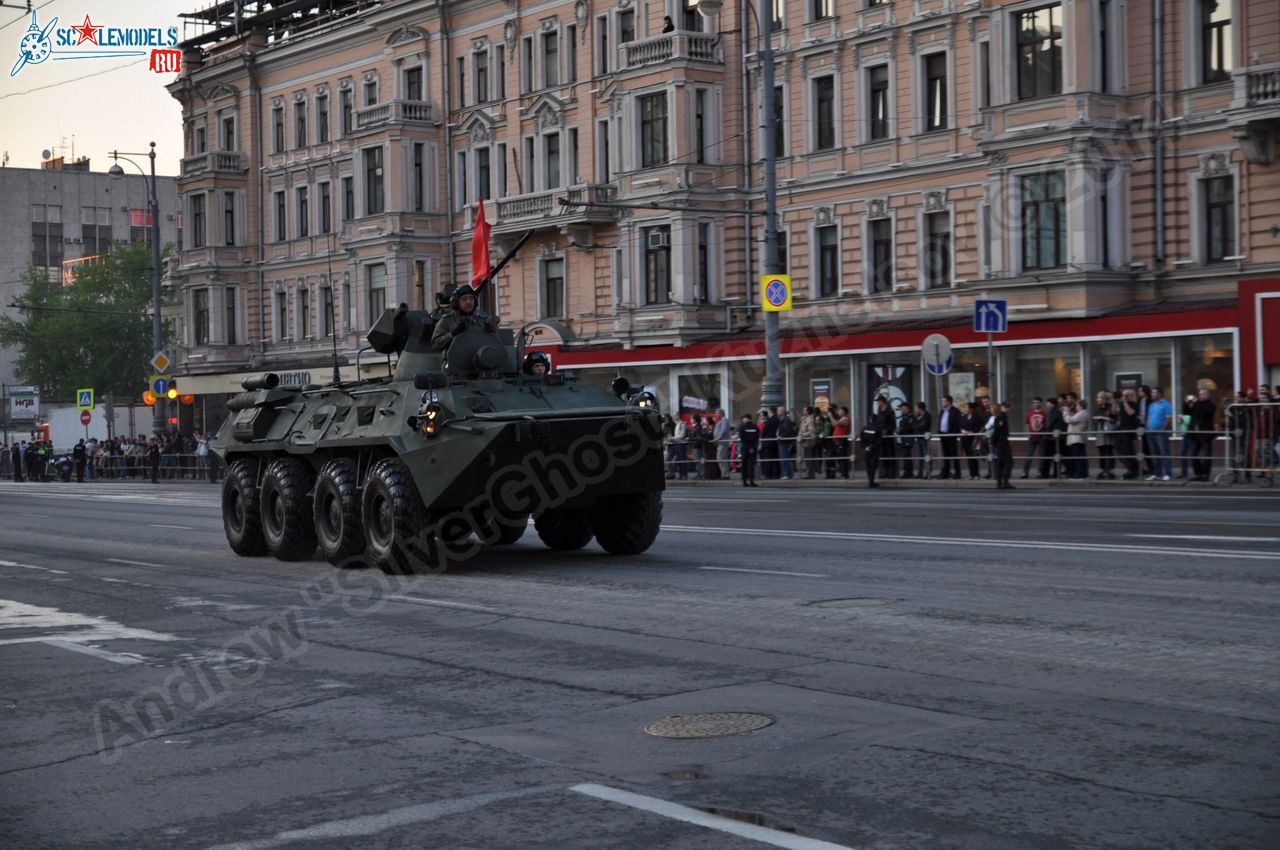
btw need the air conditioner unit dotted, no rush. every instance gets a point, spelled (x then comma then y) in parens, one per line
(658, 239)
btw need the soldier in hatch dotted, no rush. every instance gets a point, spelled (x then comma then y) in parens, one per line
(461, 315)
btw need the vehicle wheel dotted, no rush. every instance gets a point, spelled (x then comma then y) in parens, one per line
(394, 520)
(285, 507)
(240, 509)
(336, 507)
(627, 524)
(499, 533)
(564, 529)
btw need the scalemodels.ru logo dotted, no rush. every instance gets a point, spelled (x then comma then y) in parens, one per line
(93, 41)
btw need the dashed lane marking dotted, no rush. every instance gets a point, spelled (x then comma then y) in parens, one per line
(176, 527)
(1208, 537)
(763, 572)
(135, 563)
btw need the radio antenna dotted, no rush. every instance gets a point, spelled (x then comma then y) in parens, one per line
(333, 315)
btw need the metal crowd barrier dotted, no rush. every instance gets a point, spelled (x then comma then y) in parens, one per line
(1254, 432)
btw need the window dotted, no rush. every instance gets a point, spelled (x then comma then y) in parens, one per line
(881, 255)
(657, 264)
(602, 44)
(420, 284)
(374, 199)
(702, 282)
(348, 199)
(984, 72)
(229, 133)
(937, 250)
(526, 64)
(824, 110)
(690, 17)
(277, 130)
(626, 26)
(304, 314)
(233, 314)
(197, 221)
(653, 130)
(935, 92)
(199, 141)
(501, 188)
(228, 218)
(553, 288)
(779, 124)
(878, 102)
(462, 82)
(528, 164)
(500, 70)
(280, 217)
(550, 59)
(200, 317)
(344, 105)
(828, 261)
(322, 119)
(350, 305)
(552, 147)
(326, 209)
(571, 53)
(820, 10)
(282, 315)
(303, 217)
(419, 176)
(1104, 222)
(699, 125)
(1104, 45)
(482, 76)
(1039, 40)
(1215, 40)
(604, 171)
(460, 175)
(370, 92)
(483, 186)
(413, 83)
(1219, 217)
(573, 178)
(776, 11)
(300, 124)
(326, 311)
(1044, 221)
(376, 277)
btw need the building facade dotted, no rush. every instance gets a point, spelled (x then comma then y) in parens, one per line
(1106, 167)
(62, 215)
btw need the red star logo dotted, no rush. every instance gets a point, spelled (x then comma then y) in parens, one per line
(88, 32)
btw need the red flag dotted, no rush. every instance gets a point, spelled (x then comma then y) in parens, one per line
(480, 247)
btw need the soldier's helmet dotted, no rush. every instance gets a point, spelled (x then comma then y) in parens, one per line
(534, 357)
(456, 298)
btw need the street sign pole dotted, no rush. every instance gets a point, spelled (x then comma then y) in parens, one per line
(991, 371)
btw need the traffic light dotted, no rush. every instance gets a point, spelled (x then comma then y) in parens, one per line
(172, 392)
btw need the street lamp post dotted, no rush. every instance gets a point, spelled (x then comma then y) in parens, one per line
(157, 421)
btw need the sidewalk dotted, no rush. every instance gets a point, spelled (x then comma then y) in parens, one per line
(1031, 483)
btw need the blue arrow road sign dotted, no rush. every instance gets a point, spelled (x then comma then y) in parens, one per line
(991, 317)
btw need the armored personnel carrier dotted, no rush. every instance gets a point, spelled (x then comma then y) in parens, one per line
(452, 451)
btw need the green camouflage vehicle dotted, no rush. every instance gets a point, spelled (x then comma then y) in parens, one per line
(451, 452)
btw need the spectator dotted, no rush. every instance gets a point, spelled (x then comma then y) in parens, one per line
(1077, 419)
(808, 442)
(1035, 422)
(823, 429)
(1200, 433)
(1159, 419)
(787, 431)
(1055, 427)
(17, 454)
(748, 446)
(1128, 422)
(888, 426)
(720, 436)
(905, 428)
(949, 428)
(699, 435)
(769, 422)
(841, 430)
(202, 455)
(680, 443)
(667, 25)
(1104, 423)
(922, 427)
(1001, 451)
(1144, 401)
(970, 434)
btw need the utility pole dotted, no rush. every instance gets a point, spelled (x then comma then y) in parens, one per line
(771, 394)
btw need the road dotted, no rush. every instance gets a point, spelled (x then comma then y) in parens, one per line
(942, 669)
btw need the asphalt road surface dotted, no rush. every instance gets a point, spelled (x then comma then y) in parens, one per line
(939, 669)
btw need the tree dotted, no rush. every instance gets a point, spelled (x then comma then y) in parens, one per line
(94, 333)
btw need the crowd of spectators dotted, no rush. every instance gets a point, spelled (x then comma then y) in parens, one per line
(166, 456)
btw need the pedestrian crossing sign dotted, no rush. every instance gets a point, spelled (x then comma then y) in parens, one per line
(84, 399)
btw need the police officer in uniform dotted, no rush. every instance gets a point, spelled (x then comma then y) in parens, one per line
(461, 315)
(748, 450)
(80, 455)
(870, 437)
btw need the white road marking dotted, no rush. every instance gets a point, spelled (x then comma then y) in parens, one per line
(66, 626)
(1207, 537)
(764, 572)
(178, 527)
(37, 516)
(715, 500)
(975, 541)
(374, 824)
(134, 563)
(442, 603)
(675, 811)
(116, 657)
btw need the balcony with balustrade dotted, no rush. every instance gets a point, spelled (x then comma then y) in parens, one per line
(214, 163)
(572, 206)
(1254, 116)
(704, 48)
(395, 112)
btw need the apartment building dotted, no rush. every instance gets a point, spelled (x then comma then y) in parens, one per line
(1106, 167)
(62, 215)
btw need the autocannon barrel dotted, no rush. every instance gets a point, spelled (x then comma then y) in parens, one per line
(269, 381)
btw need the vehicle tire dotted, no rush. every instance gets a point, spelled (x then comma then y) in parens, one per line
(240, 509)
(627, 524)
(564, 529)
(500, 533)
(336, 508)
(285, 507)
(394, 520)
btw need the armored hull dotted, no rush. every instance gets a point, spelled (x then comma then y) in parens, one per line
(453, 451)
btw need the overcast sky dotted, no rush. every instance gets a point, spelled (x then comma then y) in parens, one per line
(105, 104)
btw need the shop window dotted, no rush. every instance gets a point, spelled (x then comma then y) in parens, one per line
(1205, 362)
(1040, 370)
(1119, 363)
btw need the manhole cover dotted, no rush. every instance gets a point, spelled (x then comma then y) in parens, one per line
(708, 725)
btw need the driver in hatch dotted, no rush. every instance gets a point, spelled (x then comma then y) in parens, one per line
(461, 316)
